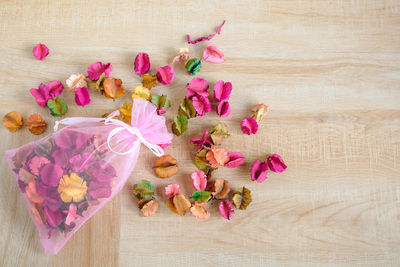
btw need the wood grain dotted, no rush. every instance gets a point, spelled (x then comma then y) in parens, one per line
(329, 71)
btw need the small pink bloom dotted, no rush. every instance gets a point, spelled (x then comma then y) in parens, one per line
(222, 91)
(275, 163)
(213, 54)
(165, 74)
(36, 163)
(226, 209)
(249, 126)
(201, 104)
(161, 111)
(224, 109)
(82, 97)
(259, 171)
(71, 214)
(42, 94)
(199, 180)
(197, 86)
(55, 88)
(98, 68)
(171, 190)
(142, 63)
(203, 142)
(235, 159)
(40, 51)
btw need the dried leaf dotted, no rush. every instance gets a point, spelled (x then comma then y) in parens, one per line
(199, 210)
(166, 166)
(144, 189)
(57, 107)
(217, 156)
(161, 102)
(200, 160)
(201, 196)
(149, 81)
(12, 121)
(179, 204)
(113, 88)
(226, 209)
(36, 124)
(242, 198)
(186, 108)
(259, 111)
(193, 65)
(126, 112)
(219, 132)
(180, 125)
(148, 206)
(72, 188)
(141, 92)
(40, 51)
(221, 188)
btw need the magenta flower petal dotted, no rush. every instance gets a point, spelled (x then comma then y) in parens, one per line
(82, 97)
(275, 163)
(226, 209)
(80, 163)
(199, 180)
(51, 174)
(41, 95)
(36, 163)
(235, 159)
(164, 146)
(201, 104)
(224, 109)
(197, 86)
(171, 190)
(53, 218)
(98, 68)
(55, 88)
(101, 171)
(259, 171)
(99, 189)
(213, 54)
(51, 197)
(71, 215)
(165, 74)
(142, 63)
(61, 158)
(203, 142)
(40, 51)
(249, 126)
(222, 91)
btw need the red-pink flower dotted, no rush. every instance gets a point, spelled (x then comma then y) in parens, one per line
(41, 95)
(197, 86)
(96, 69)
(224, 109)
(249, 126)
(201, 104)
(82, 97)
(165, 75)
(199, 180)
(213, 54)
(40, 51)
(142, 63)
(203, 142)
(171, 190)
(226, 209)
(235, 159)
(55, 88)
(275, 163)
(259, 171)
(222, 90)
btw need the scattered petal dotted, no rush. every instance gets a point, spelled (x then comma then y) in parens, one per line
(207, 38)
(242, 198)
(40, 51)
(183, 56)
(57, 107)
(76, 80)
(213, 54)
(186, 108)
(82, 97)
(217, 156)
(12, 121)
(199, 210)
(200, 160)
(141, 92)
(249, 126)
(171, 190)
(41, 95)
(72, 188)
(222, 91)
(144, 189)
(275, 163)
(113, 88)
(259, 111)
(36, 124)
(226, 209)
(149, 81)
(203, 142)
(193, 65)
(166, 166)
(235, 159)
(96, 69)
(201, 104)
(142, 63)
(165, 75)
(223, 109)
(221, 188)
(179, 204)
(148, 206)
(199, 180)
(197, 86)
(219, 132)
(259, 171)
(180, 125)
(55, 88)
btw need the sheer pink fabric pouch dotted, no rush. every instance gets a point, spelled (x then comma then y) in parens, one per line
(67, 176)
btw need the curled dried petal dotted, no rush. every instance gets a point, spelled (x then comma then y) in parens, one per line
(142, 63)
(171, 190)
(98, 68)
(165, 75)
(224, 109)
(222, 90)
(148, 206)
(219, 132)
(179, 204)
(259, 171)
(72, 188)
(149, 81)
(40, 51)
(144, 189)
(199, 180)
(249, 126)
(242, 198)
(201, 104)
(193, 65)
(82, 97)
(235, 159)
(213, 54)
(199, 210)
(12, 121)
(55, 88)
(275, 163)
(166, 166)
(36, 124)
(221, 188)
(197, 86)
(206, 38)
(183, 56)
(113, 88)
(41, 95)
(217, 156)
(57, 107)
(226, 209)
(259, 111)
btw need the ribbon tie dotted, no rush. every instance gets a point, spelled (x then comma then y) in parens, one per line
(134, 131)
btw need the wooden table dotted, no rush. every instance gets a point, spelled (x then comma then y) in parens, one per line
(329, 71)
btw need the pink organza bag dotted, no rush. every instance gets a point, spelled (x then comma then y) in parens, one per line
(67, 176)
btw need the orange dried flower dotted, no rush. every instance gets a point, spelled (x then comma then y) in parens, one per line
(113, 88)
(36, 124)
(12, 121)
(217, 156)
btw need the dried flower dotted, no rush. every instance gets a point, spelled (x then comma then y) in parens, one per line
(259, 171)
(222, 90)
(199, 180)
(71, 214)
(76, 80)
(55, 88)
(113, 88)
(126, 112)
(207, 38)
(183, 56)
(221, 188)
(36, 163)
(148, 206)
(200, 160)
(40, 51)
(141, 92)
(249, 126)
(235, 159)
(203, 142)
(166, 166)
(226, 209)
(259, 111)
(179, 204)
(161, 102)
(36, 124)
(144, 189)
(12, 121)
(193, 65)
(180, 125)
(219, 132)
(142, 63)
(217, 156)
(223, 109)
(198, 210)
(197, 86)
(201, 196)
(171, 190)
(98, 68)
(242, 198)
(32, 193)
(275, 163)
(186, 108)
(165, 75)
(82, 97)
(50, 174)
(57, 107)
(201, 104)
(72, 188)
(41, 95)
(149, 81)
(213, 54)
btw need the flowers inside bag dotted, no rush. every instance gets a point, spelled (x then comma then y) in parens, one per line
(67, 176)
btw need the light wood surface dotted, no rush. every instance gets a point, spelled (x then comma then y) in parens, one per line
(329, 71)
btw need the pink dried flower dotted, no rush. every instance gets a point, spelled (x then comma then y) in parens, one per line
(55, 88)
(275, 163)
(213, 54)
(259, 171)
(226, 209)
(203, 142)
(223, 109)
(197, 86)
(182, 56)
(76, 80)
(222, 90)
(249, 126)
(235, 159)
(71, 214)
(171, 190)
(41, 95)
(201, 104)
(142, 63)
(165, 75)
(82, 97)
(199, 180)
(96, 69)
(40, 51)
